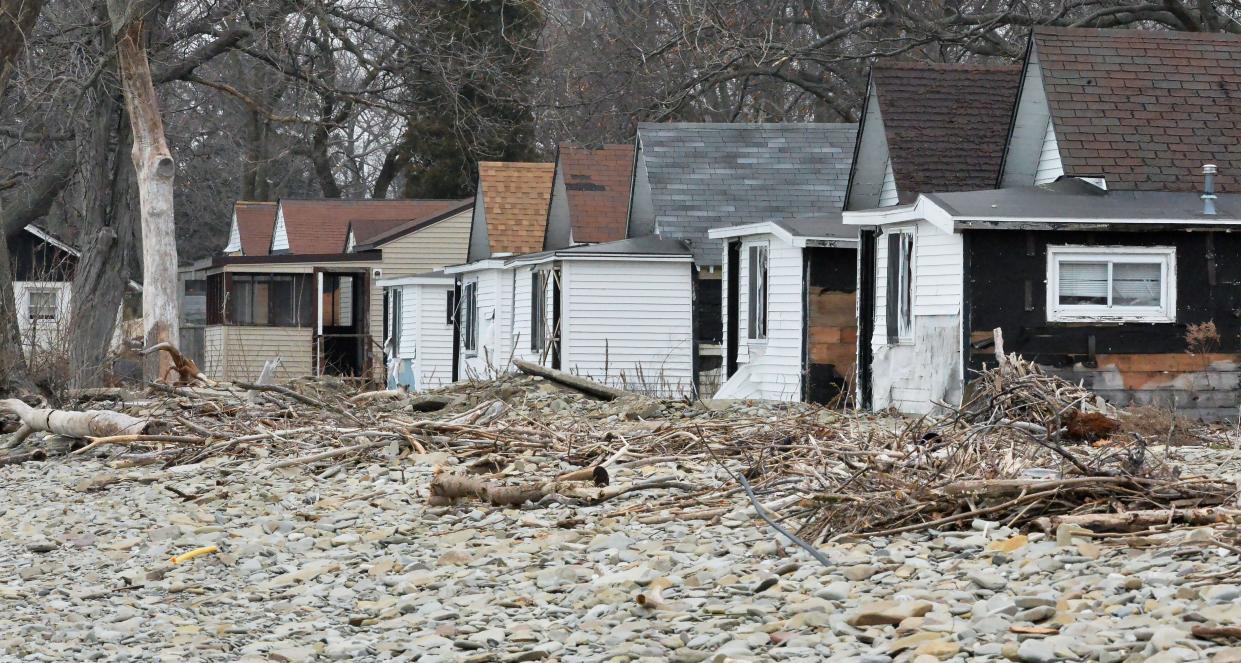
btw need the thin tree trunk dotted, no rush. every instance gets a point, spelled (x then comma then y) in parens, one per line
(156, 171)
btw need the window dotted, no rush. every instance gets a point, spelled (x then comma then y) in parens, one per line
(264, 300)
(469, 317)
(1111, 283)
(899, 304)
(394, 322)
(42, 305)
(451, 308)
(538, 309)
(758, 293)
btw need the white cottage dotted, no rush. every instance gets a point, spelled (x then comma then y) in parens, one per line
(484, 318)
(789, 327)
(620, 313)
(419, 330)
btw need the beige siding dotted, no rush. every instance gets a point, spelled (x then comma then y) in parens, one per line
(438, 245)
(238, 353)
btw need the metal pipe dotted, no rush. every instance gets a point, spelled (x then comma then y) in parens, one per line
(1208, 189)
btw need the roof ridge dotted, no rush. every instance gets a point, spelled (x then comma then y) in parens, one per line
(1133, 33)
(946, 66)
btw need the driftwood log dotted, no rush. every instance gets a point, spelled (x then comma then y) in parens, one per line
(84, 424)
(446, 487)
(1132, 521)
(184, 366)
(589, 387)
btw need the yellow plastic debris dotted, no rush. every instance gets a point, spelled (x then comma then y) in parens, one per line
(197, 552)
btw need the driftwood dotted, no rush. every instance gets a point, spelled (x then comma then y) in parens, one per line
(88, 423)
(447, 486)
(381, 395)
(18, 459)
(1133, 521)
(184, 366)
(1204, 632)
(589, 387)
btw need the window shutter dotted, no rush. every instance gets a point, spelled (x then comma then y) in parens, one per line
(893, 296)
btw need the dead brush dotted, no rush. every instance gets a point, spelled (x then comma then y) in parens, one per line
(1202, 338)
(1157, 425)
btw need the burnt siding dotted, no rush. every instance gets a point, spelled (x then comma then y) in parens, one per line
(1004, 264)
(1126, 363)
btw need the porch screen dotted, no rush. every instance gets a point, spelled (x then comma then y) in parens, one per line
(270, 300)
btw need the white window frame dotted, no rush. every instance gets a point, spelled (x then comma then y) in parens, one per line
(1161, 255)
(905, 326)
(51, 291)
(758, 320)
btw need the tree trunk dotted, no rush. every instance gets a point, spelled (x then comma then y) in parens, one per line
(156, 171)
(17, 19)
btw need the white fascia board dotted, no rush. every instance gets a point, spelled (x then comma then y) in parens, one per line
(923, 209)
(477, 266)
(415, 280)
(628, 257)
(38, 232)
(965, 221)
(824, 242)
(759, 228)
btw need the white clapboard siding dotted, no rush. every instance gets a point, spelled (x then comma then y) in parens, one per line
(280, 235)
(1049, 165)
(909, 376)
(938, 268)
(495, 324)
(522, 303)
(433, 364)
(774, 363)
(887, 193)
(629, 323)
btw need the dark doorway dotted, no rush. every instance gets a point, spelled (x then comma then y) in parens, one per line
(866, 314)
(831, 327)
(734, 291)
(342, 343)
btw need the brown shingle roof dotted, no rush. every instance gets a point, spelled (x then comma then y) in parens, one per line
(255, 223)
(946, 125)
(1144, 109)
(321, 226)
(515, 200)
(596, 182)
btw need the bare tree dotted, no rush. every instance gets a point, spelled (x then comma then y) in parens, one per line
(156, 173)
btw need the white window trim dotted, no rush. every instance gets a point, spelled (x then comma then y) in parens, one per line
(1162, 255)
(758, 341)
(906, 336)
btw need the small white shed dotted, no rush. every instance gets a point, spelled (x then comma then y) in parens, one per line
(619, 313)
(418, 342)
(789, 302)
(484, 318)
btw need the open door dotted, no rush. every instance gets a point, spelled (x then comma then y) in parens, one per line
(734, 293)
(342, 344)
(831, 326)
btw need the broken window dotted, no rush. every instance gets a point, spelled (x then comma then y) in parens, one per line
(538, 310)
(758, 293)
(469, 317)
(899, 307)
(394, 321)
(41, 305)
(1111, 283)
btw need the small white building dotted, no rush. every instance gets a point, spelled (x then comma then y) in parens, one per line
(620, 313)
(484, 318)
(419, 335)
(789, 306)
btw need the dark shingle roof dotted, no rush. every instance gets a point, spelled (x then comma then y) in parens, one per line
(1144, 109)
(596, 182)
(945, 125)
(707, 176)
(1072, 199)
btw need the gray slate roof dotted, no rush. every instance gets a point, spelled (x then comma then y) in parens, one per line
(1071, 198)
(705, 176)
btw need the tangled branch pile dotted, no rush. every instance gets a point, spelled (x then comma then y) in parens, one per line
(1026, 449)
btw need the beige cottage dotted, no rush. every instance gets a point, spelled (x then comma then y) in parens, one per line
(310, 300)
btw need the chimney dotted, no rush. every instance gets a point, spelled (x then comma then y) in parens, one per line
(1208, 189)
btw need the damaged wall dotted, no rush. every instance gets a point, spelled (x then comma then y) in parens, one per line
(1128, 362)
(831, 321)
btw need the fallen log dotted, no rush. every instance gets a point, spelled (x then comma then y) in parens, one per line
(18, 459)
(82, 424)
(1133, 521)
(584, 385)
(448, 486)
(381, 395)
